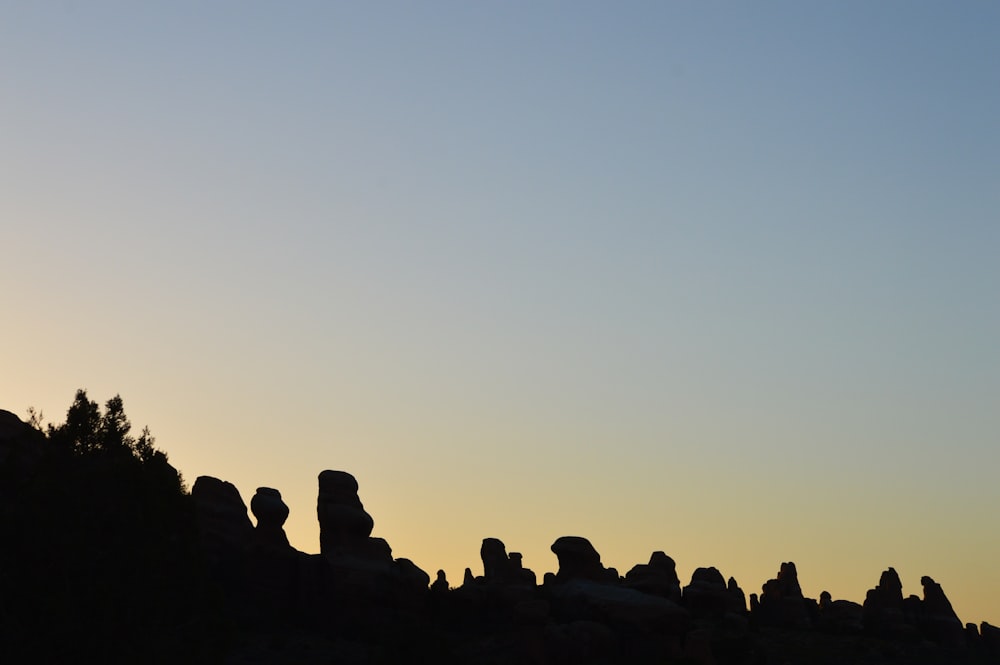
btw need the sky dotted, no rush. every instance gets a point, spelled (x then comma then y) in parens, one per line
(712, 278)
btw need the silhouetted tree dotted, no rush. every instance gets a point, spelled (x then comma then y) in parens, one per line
(100, 552)
(87, 431)
(114, 427)
(81, 430)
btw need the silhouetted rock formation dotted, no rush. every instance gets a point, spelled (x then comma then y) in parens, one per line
(440, 584)
(938, 621)
(520, 574)
(271, 513)
(839, 616)
(354, 594)
(781, 601)
(363, 566)
(588, 599)
(989, 636)
(501, 568)
(256, 567)
(737, 599)
(786, 584)
(883, 607)
(620, 607)
(344, 526)
(579, 560)
(121, 585)
(658, 577)
(412, 575)
(222, 518)
(707, 594)
(887, 614)
(710, 596)
(20, 448)
(495, 563)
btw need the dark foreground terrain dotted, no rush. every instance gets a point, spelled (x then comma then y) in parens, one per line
(106, 557)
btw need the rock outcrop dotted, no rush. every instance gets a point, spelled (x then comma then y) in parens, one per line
(737, 599)
(20, 445)
(79, 521)
(344, 526)
(889, 615)
(989, 636)
(583, 599)
(502, 568)
(363, 564)
(658, 577)
(271, 513)
(578, 560)
(412, 576)
(495, 562)
(937, 620)
(440, 584)
(707, 595)
(519, 573)
(839, 616)
(355, 586)
(882, 613)
(222, 518)
(781, 601)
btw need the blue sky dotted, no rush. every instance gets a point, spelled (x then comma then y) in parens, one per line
(675, 276)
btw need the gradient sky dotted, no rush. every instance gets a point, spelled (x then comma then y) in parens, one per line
(718, 279)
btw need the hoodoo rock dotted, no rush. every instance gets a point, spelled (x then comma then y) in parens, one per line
(707, 595)
(938, 621)
(785, 585)
(495, 561)
(364, 565)
(344, 526)
(520, 574)
(281, 580)
(883, 607)
(440, 585)
(502, 568)
(658, 577)
(271, 513)
(222, 518)
(578, 560)
(782, 602)
(887, 614)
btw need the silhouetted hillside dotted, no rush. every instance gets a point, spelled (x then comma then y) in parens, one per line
(106, 556)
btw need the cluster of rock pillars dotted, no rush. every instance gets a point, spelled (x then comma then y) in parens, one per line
(574, 615)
